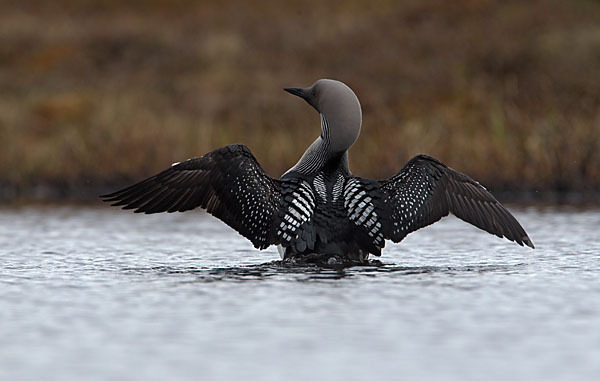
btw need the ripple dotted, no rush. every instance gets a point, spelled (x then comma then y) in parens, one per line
(304, 272)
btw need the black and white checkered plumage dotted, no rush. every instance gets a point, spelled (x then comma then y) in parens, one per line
(318, 207)
(331, 212)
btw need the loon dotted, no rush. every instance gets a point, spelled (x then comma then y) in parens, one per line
(318, 210)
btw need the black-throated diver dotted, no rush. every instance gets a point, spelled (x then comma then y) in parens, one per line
(318, 208)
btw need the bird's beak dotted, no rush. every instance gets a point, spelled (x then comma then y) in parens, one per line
(296, 91)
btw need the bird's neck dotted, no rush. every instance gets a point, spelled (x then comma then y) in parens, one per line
(319, 157)
(341, 131)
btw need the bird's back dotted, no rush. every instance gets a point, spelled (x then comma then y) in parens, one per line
(330, 213)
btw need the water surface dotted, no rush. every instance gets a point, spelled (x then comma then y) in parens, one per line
(99, 293)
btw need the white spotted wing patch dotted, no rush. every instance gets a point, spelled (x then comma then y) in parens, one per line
(250, 191)
(300, 210)
(361, 210)
(411, 190)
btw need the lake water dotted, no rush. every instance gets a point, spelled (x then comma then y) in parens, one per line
(98, 293)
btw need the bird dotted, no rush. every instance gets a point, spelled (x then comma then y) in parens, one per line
(318, 211)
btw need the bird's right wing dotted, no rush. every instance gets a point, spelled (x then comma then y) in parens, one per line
(228, 182)
(426, 190)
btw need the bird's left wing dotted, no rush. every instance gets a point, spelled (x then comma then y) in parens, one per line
(228, 182)
(426, 190)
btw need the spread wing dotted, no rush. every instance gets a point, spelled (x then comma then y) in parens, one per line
(228, 182)
(426, 190)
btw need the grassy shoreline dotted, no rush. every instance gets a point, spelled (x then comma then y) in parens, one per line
(88, 194)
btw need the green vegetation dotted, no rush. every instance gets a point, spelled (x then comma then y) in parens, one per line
(97, 93)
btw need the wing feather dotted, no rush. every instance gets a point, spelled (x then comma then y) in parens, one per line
(426, 190)
(228, 182)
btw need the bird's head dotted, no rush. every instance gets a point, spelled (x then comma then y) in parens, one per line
(341, 115)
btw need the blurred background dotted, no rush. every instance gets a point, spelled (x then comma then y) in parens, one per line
(97, 94)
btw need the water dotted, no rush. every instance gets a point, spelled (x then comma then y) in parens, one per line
(99, 293)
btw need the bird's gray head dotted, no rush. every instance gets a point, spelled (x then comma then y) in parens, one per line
(340, 109)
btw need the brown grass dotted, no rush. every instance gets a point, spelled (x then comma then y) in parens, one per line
(96, 93)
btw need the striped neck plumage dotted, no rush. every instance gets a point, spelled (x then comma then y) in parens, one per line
(319, 153)
(325, 135)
